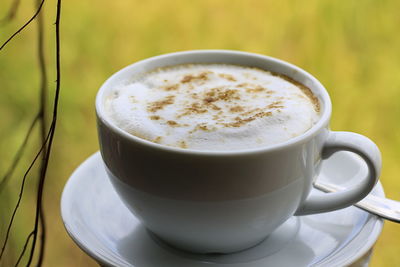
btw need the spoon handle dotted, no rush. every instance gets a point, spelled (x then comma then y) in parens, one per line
(385, 208)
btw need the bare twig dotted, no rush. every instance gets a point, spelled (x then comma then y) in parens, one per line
(52, 131)
(46, 135)
(20, 196)
(23, 26)
(18, 155)
(24, 249)
(43, 126)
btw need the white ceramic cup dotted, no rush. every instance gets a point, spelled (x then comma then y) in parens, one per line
(221, 202)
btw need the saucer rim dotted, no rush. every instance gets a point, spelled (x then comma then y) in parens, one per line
(103, 259)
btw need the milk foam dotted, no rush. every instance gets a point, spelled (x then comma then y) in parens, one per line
(213, 107)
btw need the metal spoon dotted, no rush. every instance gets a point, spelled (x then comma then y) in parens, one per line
(385, 208)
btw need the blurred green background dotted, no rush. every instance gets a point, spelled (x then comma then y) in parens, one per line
(352, 47)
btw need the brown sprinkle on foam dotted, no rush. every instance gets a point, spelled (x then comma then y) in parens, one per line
(157, 105)
(221, 94)
(225, 97)
(208, 100)
(247, 113)
(202, 76)
(203, 127)
(194, 108)
(256, 89)
(276, 104)
(236, 109)
(155, 118)
(241, 85)
(182, 144)
(172, 123)
(158, 139)
(240, 121)
(171, 87)
(207, 103)
(215, 107)
(227, 77)
(228, 95)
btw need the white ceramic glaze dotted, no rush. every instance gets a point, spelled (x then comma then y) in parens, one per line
(99, 222)
(208, 201)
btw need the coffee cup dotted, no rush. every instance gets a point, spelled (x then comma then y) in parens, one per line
(223, 201)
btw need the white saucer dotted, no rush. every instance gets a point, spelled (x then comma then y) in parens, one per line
(102, 226)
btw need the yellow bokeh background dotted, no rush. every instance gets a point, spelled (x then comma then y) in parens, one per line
(352, 47)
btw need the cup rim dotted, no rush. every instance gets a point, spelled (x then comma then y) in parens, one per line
(323, 96)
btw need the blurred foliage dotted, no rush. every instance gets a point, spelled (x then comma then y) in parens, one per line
(352, 47)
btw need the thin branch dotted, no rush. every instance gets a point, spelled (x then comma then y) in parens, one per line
(52, 130)
(42, 235)
(43, 127)
(11, 13)
(47, 140)
(20, 196)
(18, 155)
(39, 116)
(23, 26)
(24, 249)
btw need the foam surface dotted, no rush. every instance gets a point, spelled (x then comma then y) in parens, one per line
(213, 107)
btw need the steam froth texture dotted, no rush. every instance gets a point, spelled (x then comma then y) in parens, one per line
(213, 107)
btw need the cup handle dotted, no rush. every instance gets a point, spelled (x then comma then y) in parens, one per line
(369, 152)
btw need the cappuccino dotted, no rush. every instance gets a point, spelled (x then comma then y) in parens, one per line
(217, 107)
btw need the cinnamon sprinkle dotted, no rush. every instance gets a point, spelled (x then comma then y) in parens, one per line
(155, 117)
(202, 76)
(276, 104)
(182, 144)
(236, 109)
(227, 77)
(173, 123)
(158, 139)
(240, 122)
(256, 89)
(157, 105)
(171, 87)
